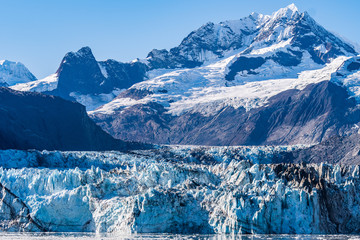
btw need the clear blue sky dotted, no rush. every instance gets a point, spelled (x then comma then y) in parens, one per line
(39, 32)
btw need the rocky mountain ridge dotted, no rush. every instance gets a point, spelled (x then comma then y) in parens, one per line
(37, 121)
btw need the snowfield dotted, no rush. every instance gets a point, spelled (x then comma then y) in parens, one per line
(205, 90)
(277, 44)
(176, 190)
(42, 85)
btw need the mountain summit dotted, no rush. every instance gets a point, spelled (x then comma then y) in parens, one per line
(262, 79)
(212, 41)
(82, 78)
(12, 73)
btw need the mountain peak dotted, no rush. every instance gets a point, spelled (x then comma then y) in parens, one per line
(12, 73)
(292, 7)
(84, 52)
(288, 11)
(79, 70)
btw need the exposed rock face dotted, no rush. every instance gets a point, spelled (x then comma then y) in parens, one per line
(291, 117)
(180, 190)
(244, 64)
(82, 78)
(79, 72)
(37, 121)
(335, 150)
(122, 75)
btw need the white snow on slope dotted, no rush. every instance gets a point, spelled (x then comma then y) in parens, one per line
(271, 48)
(46, 84)
(12, 73)
(93, 101)
(350, 79)
(205, 90)
(103, 70)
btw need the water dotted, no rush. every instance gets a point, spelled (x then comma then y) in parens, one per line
(84, 236)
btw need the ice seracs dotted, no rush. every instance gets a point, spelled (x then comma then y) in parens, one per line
(186, 190)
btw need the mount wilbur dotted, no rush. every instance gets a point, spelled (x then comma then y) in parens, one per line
(259, 80)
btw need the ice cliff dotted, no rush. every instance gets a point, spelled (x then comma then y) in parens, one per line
(176, 190)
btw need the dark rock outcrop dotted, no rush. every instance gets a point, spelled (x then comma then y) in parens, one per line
(336, 206)
(122, 75)
(244, 64)
(37, 121)
(80, 72)
(334, 150)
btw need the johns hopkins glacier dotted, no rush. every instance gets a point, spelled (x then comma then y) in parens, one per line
(248, 126)
(177, 190)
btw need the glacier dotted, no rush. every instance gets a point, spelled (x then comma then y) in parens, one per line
(176, 189)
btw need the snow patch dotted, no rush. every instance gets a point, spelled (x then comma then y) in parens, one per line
(117, 105)
(103, 70)
(272, 48)
(321, 48)
(93, 101)
(43, 85)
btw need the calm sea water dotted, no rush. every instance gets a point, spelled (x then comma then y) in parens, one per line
(83, 236)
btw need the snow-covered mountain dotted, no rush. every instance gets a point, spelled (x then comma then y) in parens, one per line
(288, 30)
(263, 79)
(80, 77)
(12, 73)
(258, 80)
